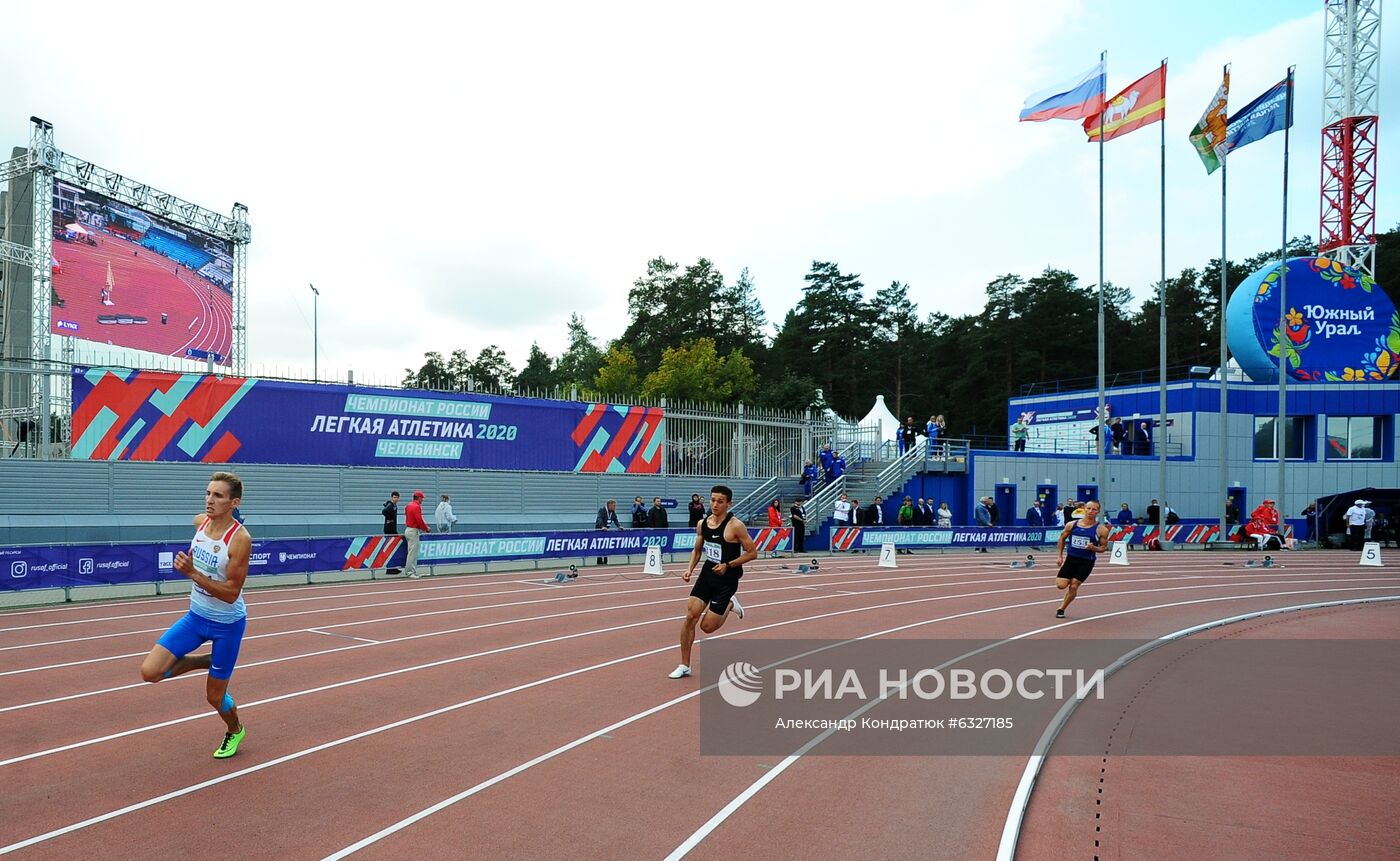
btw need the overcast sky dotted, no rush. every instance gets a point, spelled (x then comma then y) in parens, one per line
(457, 176)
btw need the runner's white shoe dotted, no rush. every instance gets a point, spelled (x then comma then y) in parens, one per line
(738, 608)
(680, 672)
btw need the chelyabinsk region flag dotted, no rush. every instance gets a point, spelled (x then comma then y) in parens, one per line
(1271, 112)
(1208, 136)
(1079, 97)
(1141, 103)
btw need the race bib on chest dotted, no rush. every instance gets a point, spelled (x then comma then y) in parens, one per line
(1079, 542)
(713, 552)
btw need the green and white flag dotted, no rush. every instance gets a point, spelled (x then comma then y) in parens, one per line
(1209, 135)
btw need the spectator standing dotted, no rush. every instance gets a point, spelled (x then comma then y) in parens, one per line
(857, 514)
(1232, 514)
(1125, 515)
(697, 509)
(994, 511)
(1355, 519)
(391, 522)
(982, 514)
(414, 527)
(1154, 514)
(1142, 439)
(945, 515)
(639, 514)
(838, 466)
(909, 434)
(1310, 519)
(875, 514)
(906, 512)
(443, 516)
(923, 513)
(607, 521)
(775, 512)
(1020, 432)
(841, 512)
(1370, 517)
(1118, 437)
(1172, 518)
(656, 515)
(809, 477)
(828, 460)
(1035, 515)
(799, 526)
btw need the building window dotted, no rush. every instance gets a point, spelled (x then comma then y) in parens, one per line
(1295, 435)
(1353, 438)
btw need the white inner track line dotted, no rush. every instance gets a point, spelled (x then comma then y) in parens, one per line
(344, 636)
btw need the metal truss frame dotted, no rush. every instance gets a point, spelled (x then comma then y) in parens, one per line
(1350, 100)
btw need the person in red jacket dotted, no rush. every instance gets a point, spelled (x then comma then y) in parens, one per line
(775, 513)
(415, 526)
(1263, 525)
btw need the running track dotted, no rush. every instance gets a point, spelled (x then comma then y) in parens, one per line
(492, 716)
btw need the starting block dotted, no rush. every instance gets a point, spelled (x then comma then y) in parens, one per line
(559, 577)
(1029, 563)
(1268, 562)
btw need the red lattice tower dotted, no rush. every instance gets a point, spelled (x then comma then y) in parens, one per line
(1351, 62)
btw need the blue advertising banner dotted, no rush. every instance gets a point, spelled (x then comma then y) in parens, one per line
(58, 566)
(122, 414)
(857, 538)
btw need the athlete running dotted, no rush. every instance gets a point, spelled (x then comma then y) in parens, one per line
(1087, 538)
(217, 564)
(724, 542)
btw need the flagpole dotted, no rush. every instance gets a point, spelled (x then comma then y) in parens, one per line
(1103, 428)
(1224, 357)
(1160, 436)
(1282, 436)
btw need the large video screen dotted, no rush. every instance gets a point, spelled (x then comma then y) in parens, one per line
(127, 278)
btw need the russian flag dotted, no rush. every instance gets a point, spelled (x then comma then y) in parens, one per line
(1079, 97)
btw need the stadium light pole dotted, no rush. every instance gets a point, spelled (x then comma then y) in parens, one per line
(315, 333)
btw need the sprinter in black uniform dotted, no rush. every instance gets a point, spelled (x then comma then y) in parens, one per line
(724, 543)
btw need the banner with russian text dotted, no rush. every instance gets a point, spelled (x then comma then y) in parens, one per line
(121, 414)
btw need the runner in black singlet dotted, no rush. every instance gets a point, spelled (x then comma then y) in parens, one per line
(724, 543)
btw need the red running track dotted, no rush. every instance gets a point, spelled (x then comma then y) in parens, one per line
(494, 716)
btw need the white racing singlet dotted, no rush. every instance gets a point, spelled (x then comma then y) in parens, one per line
(210, 557)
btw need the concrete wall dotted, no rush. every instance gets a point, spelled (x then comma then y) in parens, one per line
(76, 501)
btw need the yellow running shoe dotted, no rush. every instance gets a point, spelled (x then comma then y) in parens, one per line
(231, 742)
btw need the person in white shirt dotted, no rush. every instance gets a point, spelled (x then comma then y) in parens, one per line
(1356, 524)
(1370, 517)
(444, 516)
(945, 515)
(842, 511)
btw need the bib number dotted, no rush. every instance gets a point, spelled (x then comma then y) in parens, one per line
(713, 552)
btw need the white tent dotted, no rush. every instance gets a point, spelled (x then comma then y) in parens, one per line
(881, 419)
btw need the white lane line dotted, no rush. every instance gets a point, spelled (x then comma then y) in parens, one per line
(768, 776)
(344, 636)
(949, 566)
(141, 805)
(546, 617)
(738, 801)
(574, 597)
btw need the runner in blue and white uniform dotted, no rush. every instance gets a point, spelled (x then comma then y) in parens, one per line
(217, 564)
(1087, 538)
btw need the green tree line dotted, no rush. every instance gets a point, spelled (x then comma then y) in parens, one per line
(695, 335)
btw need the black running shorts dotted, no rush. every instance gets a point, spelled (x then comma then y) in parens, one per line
(1076, 568)
(715, 590)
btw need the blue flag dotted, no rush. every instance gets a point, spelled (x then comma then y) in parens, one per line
(1271, 112)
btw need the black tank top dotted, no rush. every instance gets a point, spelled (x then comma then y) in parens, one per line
(714, 544)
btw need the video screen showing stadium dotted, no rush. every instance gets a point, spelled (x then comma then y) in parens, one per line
(127, 278)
